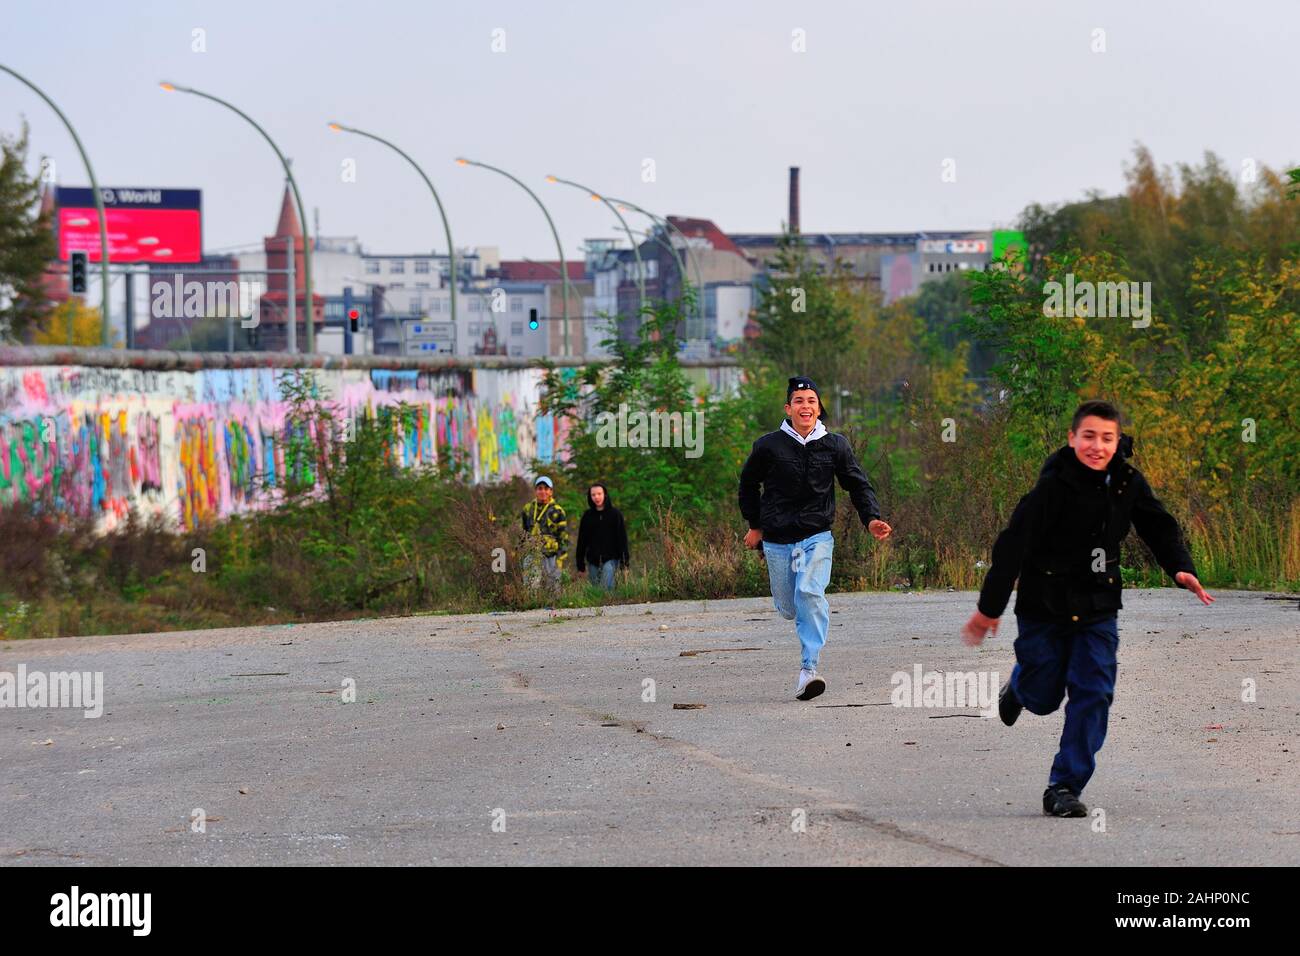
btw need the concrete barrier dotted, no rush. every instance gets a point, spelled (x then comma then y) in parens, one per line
(193, 436)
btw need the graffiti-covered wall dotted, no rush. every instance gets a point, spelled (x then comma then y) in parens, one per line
(193, 445)
(166, 433)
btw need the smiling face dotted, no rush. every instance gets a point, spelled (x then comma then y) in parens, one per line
(1095, 441)
(803, 410)
(543, 494)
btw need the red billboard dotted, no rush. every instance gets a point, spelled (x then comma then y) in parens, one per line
(144, 225)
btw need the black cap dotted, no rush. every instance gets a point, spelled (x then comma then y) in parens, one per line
(798, 382)
(802, 382)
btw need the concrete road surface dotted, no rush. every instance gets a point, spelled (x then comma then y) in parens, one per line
(532, 738)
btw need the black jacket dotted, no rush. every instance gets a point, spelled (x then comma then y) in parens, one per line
(798, 497)
(602, 535)
(1049, 543)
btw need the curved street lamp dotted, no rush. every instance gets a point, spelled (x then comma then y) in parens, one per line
(297, 198)
(104, 324)
(681, 266)
(640, 269)
(451, 249)
(559, 246)
(686, 244)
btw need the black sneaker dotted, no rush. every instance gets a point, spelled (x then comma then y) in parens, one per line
(1009, 706)
(1061, 801)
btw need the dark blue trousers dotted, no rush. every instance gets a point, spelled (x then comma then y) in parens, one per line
(1055, 658)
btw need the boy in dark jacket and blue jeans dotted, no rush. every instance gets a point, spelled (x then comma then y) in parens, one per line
(797, 467)
(1062, 543)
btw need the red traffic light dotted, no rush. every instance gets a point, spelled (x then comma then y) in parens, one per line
(353, 314)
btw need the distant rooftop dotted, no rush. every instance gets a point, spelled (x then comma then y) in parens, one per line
(853, 238)
(517, 270)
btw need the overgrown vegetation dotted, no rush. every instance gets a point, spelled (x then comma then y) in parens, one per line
(1210, 390)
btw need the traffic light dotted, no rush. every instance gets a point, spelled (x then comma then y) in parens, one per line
(353, 315)
(78, 264)
(532, 319)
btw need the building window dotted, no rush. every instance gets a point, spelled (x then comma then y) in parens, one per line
(422, 266)
(396, 267)
(475, 305)
(372, 268)
(516, 304)
(418, 285)
(391, 285)
(435, 305)
(516, 328)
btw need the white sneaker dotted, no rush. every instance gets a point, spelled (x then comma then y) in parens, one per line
(809, 686)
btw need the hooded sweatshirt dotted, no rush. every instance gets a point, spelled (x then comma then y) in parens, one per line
(602, 534)
(1063, 540)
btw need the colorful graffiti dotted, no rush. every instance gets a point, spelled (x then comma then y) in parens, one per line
(197, 445)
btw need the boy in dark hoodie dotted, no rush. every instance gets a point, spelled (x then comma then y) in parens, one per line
(602, 538)
(1062, 543)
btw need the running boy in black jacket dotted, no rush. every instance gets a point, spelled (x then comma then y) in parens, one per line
(797, 467)
(1063, 544)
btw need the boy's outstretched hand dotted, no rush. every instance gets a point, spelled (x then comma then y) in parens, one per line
(972, 635)
(1188, 580)
(879, 529)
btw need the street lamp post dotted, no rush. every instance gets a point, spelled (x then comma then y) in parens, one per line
(681, 267)
(686, 244)
(446, 227)
(105, 327)
(297, 198)
(559, 246)
(640, 269)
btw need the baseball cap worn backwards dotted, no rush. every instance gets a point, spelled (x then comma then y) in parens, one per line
(800, 382)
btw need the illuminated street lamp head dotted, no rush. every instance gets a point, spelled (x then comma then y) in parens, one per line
(169, 87)
(551, 179)
(462, 161)
(595, 197)
(336, 127)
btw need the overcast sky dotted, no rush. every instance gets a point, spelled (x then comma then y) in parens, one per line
(715, 94)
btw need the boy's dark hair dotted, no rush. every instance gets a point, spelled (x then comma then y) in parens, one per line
(1100, 409)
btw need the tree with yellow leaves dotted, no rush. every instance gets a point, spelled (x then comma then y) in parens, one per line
(77, 316)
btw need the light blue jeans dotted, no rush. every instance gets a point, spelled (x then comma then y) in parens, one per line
(602, 575)
(799, 573)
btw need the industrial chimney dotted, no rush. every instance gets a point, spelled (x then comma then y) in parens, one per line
(794, 198)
